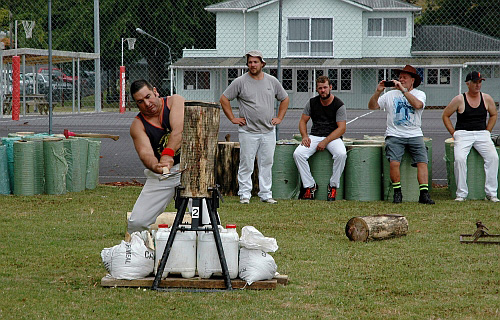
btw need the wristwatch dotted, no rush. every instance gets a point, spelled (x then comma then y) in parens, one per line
(405, 90)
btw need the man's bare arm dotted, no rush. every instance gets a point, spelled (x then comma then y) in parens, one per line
(143, 146)
(450, 109)
(492, 110)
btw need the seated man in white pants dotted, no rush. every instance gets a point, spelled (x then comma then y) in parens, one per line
(472, 130)
(157, 135)
(328, 115)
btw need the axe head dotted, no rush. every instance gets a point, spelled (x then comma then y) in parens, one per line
(68, 134)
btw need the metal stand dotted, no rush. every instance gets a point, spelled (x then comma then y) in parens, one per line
(181, 204)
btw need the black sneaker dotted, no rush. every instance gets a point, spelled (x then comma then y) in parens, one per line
(332, 193)
(308, 193)
(398, 197)
(425, 198)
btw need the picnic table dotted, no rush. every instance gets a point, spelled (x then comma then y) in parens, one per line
(37, 101)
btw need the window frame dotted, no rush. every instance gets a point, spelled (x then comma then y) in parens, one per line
(382, 27)
(197, 73)
(275, 71)
(339, 79)
(310, 41)
(439, 84)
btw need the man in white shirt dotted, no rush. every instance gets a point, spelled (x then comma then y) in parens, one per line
(404, 106)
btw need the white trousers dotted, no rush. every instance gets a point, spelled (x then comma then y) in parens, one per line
(261, 145)
(154, 197)
(481, 141)
(302, 154)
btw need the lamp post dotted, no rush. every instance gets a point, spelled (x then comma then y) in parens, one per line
(139, 30)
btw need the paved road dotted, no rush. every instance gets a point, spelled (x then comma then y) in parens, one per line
(119, 161)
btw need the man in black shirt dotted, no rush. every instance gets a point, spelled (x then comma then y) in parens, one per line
(472, 130)
(328, 115)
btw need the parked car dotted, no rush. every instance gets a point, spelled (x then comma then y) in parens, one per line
(59, 88)
(56, 72)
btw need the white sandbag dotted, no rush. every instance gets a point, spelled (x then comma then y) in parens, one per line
(256, 265)
(251, 238)
(129, 260)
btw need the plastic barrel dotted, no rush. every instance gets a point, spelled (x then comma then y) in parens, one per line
(321, 169)
(75, 180)
(475, 172)
(39, 172)
(4, 171)
(286, 178)
(9, 143)
(93, 156)
(363, 173)
(56, 166)
(24, 168)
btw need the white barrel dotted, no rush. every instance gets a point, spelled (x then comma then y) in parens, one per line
(208, 262)
(182, 257)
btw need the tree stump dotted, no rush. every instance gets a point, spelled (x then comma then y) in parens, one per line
(227, 162)
(198, 148)
(378, 227)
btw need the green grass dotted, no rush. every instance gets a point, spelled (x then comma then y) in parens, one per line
(50, 264)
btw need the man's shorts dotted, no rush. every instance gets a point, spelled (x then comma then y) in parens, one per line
(395, 149)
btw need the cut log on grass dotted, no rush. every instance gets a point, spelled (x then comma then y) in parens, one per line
(378, 227)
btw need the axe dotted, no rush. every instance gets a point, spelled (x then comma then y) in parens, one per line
(68, 134)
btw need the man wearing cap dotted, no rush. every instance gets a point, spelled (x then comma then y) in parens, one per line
(472, 130)
(255, 92)
(404, 107)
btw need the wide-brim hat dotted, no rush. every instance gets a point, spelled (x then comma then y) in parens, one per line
(413, 72)
(255, 53)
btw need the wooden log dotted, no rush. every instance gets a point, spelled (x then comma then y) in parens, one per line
(227, 162)
(198, 148)
(378, 227)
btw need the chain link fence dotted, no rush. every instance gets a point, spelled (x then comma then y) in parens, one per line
(195, 48)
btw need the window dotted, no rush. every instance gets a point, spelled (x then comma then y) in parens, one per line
(436, 77)
(310, 37)
(386, 27)
(196, 80)
(231, 75)
(302, 80)
(386, 74)
(341, 79)
(287, 78)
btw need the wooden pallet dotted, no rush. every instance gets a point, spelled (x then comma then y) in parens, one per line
(194, 283)
(493, 239)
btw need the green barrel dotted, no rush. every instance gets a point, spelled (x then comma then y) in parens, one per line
(369, 142)
(24, 168)
(321, 169)
(84, 149)
(4, 171)
(286, 180)
(75, 180)
(93, 156)
(39, 172)
(475, 172)
(9, 143)
(363, 173)
(428, 145)
(56, 166)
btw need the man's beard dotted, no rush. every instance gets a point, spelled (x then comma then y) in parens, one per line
(325, 98)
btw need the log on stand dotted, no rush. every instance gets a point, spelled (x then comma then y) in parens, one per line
(376, 227)
(200, 173)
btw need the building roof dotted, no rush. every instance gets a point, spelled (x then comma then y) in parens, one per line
(371, 5)
(453, 40)
(41, 56)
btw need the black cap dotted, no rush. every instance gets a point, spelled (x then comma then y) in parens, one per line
(474, 76)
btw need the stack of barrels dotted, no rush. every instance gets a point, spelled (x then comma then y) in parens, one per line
(39, 163)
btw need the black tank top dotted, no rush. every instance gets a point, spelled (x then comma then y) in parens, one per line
(472, 119)
(159, 136)
(324, 118)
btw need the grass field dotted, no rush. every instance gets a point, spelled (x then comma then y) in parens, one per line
(50, 264)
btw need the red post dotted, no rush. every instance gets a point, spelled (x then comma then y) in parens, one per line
(122, 89)
(16, 87)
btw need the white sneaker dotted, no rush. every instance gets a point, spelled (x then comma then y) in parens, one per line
(460, 199)
(492, 199)
(270, 200)
(245, 201)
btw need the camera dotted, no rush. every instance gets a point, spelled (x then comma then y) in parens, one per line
(389, 83)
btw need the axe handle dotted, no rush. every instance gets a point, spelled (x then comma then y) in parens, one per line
(97, 135)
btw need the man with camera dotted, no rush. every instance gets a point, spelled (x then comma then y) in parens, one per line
(404, 106)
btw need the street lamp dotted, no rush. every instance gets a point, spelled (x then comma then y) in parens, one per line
(139, 30)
